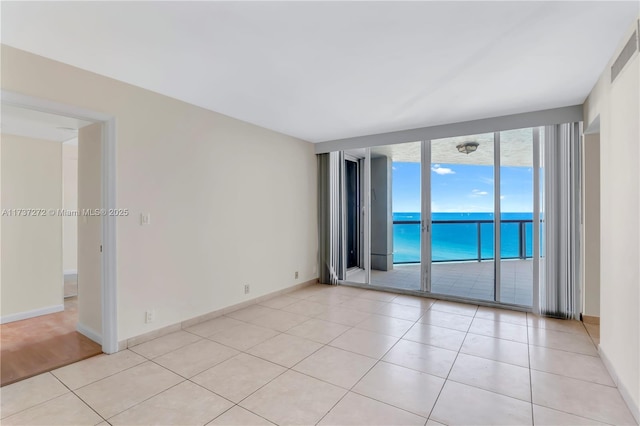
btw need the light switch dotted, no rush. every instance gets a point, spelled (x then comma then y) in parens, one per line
(145, 218)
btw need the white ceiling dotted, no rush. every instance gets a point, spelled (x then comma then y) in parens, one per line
(331, 70)
(38, 125)
(516, 150)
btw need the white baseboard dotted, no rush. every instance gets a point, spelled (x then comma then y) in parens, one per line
(30, 314)
(633, 407)
(91, 334)
(162, 331)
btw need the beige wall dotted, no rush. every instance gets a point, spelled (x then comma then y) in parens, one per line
(230, 203)
(591, 293)
(70, 202)
(89, 231)
(617, 104)
(31, 246)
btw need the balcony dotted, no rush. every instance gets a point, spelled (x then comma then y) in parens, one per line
(463, 259)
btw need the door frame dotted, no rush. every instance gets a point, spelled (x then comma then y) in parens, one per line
(109, 338)
(359, 221)
(364, 201)
(425, 217)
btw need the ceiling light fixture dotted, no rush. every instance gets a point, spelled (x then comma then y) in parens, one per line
(467, 147)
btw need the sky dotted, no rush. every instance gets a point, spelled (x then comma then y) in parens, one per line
(462, 188)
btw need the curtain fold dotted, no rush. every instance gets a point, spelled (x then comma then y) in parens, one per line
(561, 213)
(330, 220)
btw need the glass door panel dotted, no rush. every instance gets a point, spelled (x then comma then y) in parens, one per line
(462, 218)
(516, 216)
(395, 214)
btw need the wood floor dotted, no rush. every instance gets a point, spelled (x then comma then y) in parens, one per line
(41, 344)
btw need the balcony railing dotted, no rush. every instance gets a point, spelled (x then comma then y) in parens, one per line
(464, 240)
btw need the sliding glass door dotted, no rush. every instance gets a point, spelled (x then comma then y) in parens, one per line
(483, 220)
(396, 216)
(462, 216)
(452, 216)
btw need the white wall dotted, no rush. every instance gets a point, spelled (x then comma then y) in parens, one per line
(617, 104)
(231, 203)
(70, 202)
(31, 245)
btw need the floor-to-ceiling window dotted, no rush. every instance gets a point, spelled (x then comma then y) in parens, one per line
(451, 216)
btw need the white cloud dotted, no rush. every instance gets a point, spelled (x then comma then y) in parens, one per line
(502, 197)
(442, 170)
(478, 193)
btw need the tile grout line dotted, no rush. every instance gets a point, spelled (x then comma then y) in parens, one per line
(323, 345)
(381, 360)
(234, 404)
(287, 369)
(152, 396)
(312, 377)
(367, 372)
(452, 366)
(80, 398)
(530, 375)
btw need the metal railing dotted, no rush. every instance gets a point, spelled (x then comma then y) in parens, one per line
(522, 236)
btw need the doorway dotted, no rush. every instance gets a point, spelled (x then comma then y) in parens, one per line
(63, 324)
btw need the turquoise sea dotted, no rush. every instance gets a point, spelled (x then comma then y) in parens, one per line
(459, 240)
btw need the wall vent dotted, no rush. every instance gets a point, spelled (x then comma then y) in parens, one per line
(629, 49)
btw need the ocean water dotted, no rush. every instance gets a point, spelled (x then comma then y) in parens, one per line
(459, 241)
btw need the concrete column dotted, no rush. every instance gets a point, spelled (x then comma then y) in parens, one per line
(381, 216)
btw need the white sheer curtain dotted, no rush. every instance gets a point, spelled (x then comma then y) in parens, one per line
(330, 229)
(559, 287)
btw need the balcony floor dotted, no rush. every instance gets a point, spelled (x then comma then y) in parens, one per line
(465, 279)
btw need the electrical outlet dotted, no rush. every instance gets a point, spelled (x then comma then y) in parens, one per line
(150, 316)
(296, 275)
(246, 289)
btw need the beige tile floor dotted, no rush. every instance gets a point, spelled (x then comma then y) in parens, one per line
(336, 356)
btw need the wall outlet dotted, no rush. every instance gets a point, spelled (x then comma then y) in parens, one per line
(246, 289)
(296, 275)
(150, 316)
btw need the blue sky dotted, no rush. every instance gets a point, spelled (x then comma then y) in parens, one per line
(462, 188)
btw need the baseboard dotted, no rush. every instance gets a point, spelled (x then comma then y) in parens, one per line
(154, 334)
(591, 320)
(633, 407)
(89, 333)
(30, 314)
